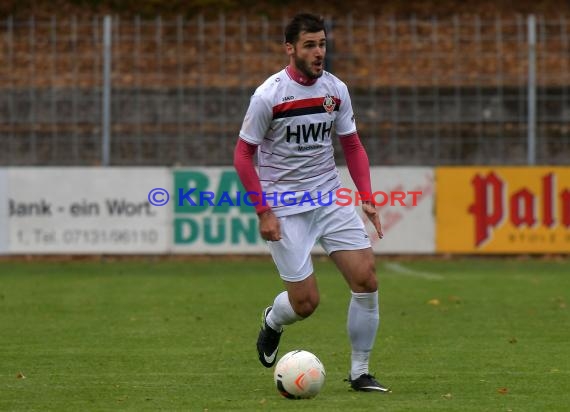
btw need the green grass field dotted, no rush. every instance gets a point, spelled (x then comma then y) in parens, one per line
(459, 335)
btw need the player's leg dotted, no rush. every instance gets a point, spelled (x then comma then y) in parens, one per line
(349, 248)
(297, 302)
(357, 267)
(292, 256)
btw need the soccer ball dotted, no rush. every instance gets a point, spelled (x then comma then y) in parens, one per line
(299, 375)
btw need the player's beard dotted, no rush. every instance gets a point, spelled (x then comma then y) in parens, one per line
(305, 68)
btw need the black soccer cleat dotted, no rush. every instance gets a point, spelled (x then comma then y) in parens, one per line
(367, 383)
(267, 341)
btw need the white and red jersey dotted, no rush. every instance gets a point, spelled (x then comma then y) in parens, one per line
(292, 124)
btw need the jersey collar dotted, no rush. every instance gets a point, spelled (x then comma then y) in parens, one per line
(299, 77)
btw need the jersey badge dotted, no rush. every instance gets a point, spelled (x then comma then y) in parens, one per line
(329, 104)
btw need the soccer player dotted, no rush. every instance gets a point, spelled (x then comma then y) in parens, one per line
(290, 122)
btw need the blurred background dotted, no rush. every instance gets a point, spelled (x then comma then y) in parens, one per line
(167, 83)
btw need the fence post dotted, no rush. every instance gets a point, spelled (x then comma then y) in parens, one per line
(531, 119)
(106, 126)
(329, 56)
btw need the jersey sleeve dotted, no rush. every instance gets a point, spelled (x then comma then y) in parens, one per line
(243, 163)
(257, 120)
(357, 163)
(345, 123)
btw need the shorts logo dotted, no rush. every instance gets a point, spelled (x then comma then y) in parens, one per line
(329, 104)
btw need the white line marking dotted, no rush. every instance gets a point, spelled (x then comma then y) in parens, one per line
(402, 270)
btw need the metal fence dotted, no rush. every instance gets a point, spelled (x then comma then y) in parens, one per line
(425, 92)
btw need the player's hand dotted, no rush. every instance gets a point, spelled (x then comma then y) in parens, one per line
(370, 210)
(269, 226)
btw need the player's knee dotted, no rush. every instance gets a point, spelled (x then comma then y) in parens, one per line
(306, 307)
(367, 282)
(371, 284)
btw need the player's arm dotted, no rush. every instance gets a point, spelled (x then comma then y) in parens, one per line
(359, 169)
(256, 123)
(243, 163)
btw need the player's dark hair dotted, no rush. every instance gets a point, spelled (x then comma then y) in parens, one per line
(310, 23)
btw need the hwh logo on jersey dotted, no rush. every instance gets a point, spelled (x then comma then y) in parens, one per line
(310, 131)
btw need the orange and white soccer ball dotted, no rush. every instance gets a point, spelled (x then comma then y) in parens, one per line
(299, 375)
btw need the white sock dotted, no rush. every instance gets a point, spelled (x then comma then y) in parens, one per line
(281, 313)
(363, 320)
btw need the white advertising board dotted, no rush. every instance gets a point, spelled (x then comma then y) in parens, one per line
(109, 211)
(201, 228)
(86, 210)
(406, 203)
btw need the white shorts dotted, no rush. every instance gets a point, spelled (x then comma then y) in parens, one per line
(334, 227)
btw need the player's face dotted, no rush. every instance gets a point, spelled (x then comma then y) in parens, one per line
(308, 54)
